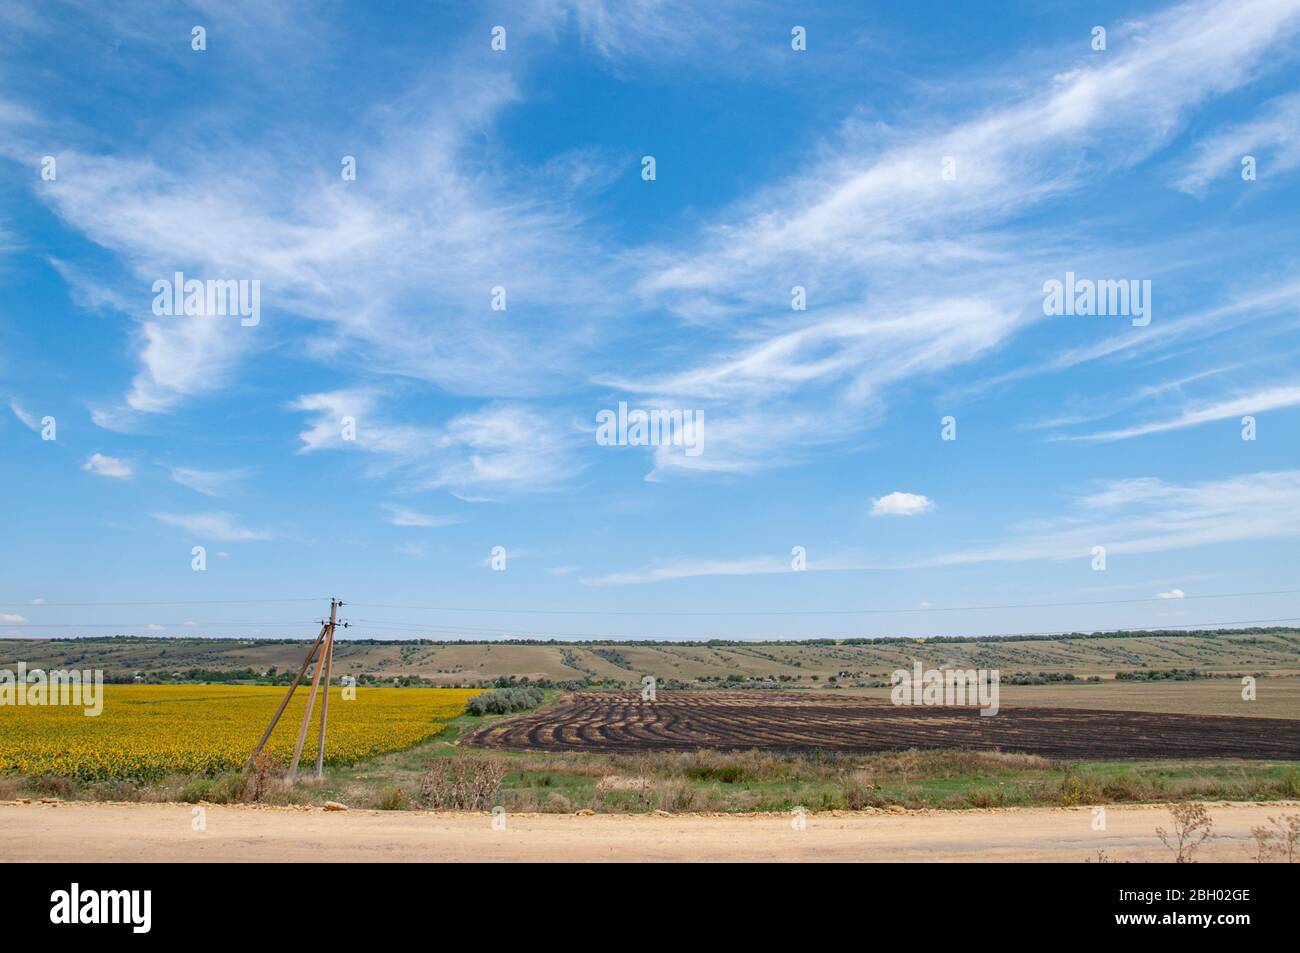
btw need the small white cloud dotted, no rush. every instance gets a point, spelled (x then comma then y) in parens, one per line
(562, 570)
(153, 627)
(12, 618)
(105, 466)
(901, 504)
(1172, 594)
(116, 419)
(189, 625)
(400, 516)
(38, 602)
(27, 420)
(207, 482)
(219, 526)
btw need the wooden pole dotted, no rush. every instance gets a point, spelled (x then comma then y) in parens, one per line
(288, 695)
(328, 655)
(311, 701)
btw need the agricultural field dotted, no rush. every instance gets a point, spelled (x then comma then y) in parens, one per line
(790, 722)
(820, 733)
(786, 664)
(446, 772)
(146, 731)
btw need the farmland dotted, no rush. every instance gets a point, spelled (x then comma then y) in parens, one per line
(702, 780)
(734, 664)
(146, 731)
(787, 722)
(1137, 718)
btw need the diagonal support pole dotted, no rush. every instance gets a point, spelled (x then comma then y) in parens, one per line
(328, 632)
(288, 695)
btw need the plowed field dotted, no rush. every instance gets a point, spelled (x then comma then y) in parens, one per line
(684, 721)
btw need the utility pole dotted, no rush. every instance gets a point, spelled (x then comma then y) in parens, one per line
(325, 644)
(321, 664)
(325, 702)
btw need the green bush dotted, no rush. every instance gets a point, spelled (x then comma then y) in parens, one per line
(503, 701)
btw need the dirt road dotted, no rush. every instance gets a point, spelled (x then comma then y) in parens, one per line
(165, 832)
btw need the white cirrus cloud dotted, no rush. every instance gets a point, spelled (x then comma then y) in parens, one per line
(901, 504)
(1272, 398)
(951, 264)
(500, 448)
(218, 526)
(207, 482)
(28, 420)
(1132, 516)
(7, 617)
(401, 516)
(1172, 594)
(106, 466)
(1272, 137)
(691, 568)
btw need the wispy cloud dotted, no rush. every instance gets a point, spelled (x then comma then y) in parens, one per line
(501, 448)
(401, 516)
(952, 265)
(351, 261)
(1272, 398)
(692, 568)
(1126, 517)
(208, 482)
(1149, 515)
(219, 526)
(26, 419)
(1272, 137)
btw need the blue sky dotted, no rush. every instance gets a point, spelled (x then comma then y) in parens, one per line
(822, 168)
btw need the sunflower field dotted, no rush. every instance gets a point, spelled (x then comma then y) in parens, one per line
(147, 731)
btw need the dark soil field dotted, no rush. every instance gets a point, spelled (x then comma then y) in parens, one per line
(685, 721)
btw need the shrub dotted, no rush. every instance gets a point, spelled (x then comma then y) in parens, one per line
(675, 796)
(55, 786)
(557, 803)
(504, 701)
(1192, 826)
(462, 784)
(1077, 790)
(224, 789)
(390, 798)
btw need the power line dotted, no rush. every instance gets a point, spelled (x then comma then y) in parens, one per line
(412, 628)
(194, 602)
(145, 625)
(671, 612)
(803, 612)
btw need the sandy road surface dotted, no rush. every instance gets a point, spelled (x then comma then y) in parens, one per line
(163, 832)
